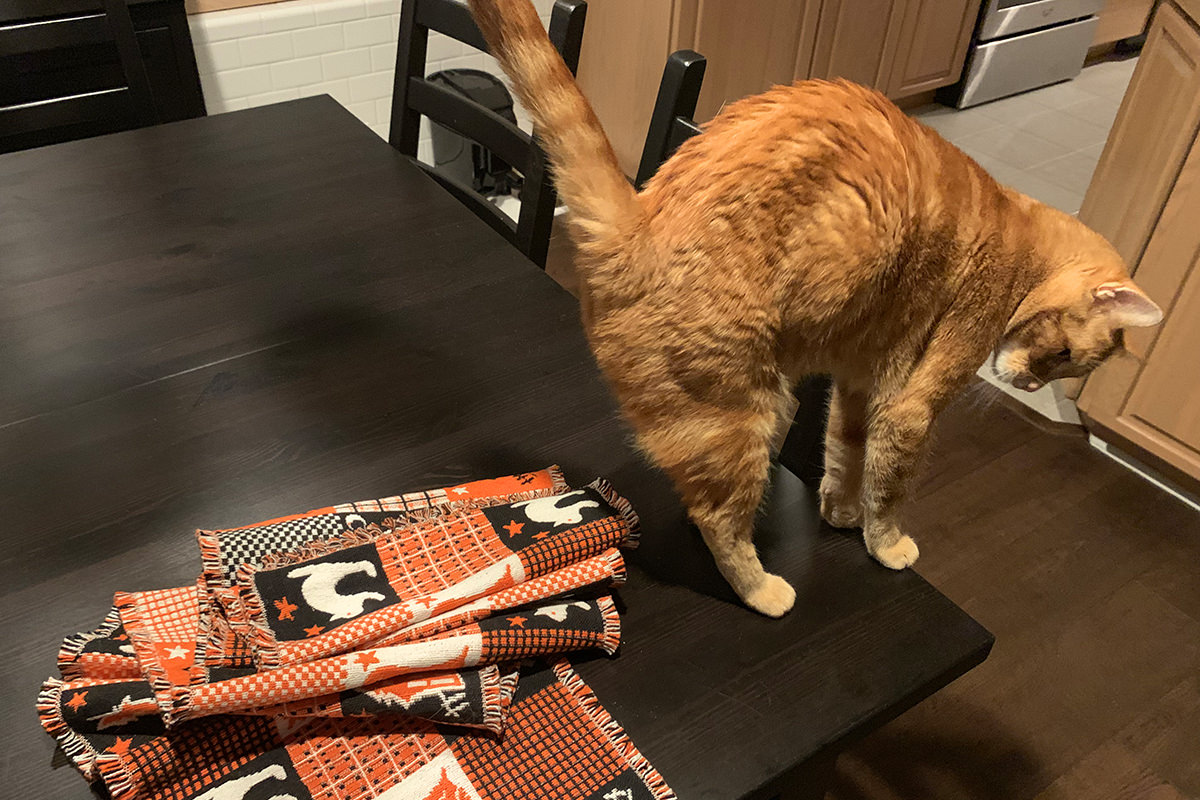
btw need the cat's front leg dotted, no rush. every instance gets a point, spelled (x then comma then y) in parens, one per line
(896, 437)
(845, 445)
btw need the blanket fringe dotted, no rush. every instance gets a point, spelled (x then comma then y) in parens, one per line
(622, 507)
(172, 700)
(612, 729)
(612, 624)
(115, 776)
(76, 748)
(72, 648)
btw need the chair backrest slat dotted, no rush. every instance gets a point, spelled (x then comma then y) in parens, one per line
(414, 96)
(458, 113)
(671, 122)
(53, 31)
(452, 19)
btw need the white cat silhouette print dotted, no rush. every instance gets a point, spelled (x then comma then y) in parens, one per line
(319, 587)
(547, 509)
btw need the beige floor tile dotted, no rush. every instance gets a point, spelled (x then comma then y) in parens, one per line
(1018, 148)
(1073, 171)
(1063, 129)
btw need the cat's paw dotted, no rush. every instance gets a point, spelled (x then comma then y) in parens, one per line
(840, 513)
(899, 555)
(773, 597)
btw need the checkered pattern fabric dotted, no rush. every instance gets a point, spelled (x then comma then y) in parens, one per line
(387, 705)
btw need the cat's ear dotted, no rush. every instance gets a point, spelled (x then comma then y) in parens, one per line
(1125, 305)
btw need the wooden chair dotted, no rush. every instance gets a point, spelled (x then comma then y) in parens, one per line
(414, 96)
(45, 98)
(671, 124)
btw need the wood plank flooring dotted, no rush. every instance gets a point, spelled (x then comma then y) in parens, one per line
(1089, 577)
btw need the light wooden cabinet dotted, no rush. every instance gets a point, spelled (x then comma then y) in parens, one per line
(1121, 19)
(856, 40)
(1146, 198)
(901, 47)
(931, 45)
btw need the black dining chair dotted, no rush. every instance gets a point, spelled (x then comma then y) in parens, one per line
(671, 124)
(69, 69)
(414, 96)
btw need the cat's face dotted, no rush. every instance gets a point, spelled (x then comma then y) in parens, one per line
(1070, 339)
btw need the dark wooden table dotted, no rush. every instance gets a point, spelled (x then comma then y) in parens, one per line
(225, 319)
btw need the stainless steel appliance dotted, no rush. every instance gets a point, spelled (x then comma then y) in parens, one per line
(1024, 44)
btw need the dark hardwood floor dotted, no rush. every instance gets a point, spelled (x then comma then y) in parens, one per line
(1089, 577)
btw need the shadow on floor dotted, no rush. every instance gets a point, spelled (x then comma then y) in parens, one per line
(972, 755)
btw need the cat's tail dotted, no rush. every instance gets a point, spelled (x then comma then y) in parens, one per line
(604, 206)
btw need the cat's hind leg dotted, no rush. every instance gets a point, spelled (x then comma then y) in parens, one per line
(719, 461)
(845, 448)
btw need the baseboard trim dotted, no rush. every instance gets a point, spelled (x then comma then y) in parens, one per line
(1145, 471)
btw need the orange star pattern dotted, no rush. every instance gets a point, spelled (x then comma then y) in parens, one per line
(367, 659)
(285, 608)
(517, 621)
(121, 638)
(314, 630)
(514, 527)
(541, 535)
(77, 701)
(120, 747)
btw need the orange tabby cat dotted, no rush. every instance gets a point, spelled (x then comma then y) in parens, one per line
(813, 228)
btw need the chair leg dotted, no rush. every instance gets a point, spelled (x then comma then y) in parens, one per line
(803, 451)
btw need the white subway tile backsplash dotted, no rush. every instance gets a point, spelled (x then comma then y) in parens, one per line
(265, 49)
(383, 56)
(440, 47)
(366, 32)
(343, 48)
(329, 11)
(217, 56)
(266, 98)
(371, 86)
(298, 72)
(381, 8)
(318, 39)
(289, 16)
(364, 111)
(381, 130)
(346, 63)
(339, 90)
(243, 82)
(233, 24)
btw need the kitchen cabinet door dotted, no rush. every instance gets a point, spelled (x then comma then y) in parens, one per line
(931, 47)
(749, 50)
(1151, 397)
(856, 40)
(1150, 138)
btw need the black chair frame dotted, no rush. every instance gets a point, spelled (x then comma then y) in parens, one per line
(414, 96)
(63, 24)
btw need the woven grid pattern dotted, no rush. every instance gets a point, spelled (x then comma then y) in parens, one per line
(574, 545)
(519, 766)
(378, 756)
(182, 765)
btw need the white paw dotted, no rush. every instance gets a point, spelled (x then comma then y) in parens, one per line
(773, 597)
(899, 555)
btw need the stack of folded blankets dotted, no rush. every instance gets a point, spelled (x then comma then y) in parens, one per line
(407, 647)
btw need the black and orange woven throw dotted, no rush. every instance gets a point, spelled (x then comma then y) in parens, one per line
(368, 650)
